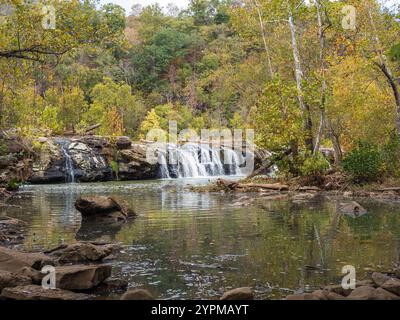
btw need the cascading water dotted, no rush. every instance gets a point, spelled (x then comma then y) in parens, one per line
(199, 160)
(68, 162)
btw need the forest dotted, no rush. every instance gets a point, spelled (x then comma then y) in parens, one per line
(304, 75)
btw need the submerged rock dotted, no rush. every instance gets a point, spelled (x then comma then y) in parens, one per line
(352, 209)
(11, 230)
(238, 294)
(137, 294)
(34, 292)
(105, 207)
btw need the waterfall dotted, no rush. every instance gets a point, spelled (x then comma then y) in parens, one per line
(193, 160)
(68, 162)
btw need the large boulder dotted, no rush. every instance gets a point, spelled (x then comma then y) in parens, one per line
(85, 252)
(35, 292)
(89, 164)
(13, 261)
(81, 277)
(8, 280)
(48, 165)
(134, 165)
(103, 207)
(238, 294)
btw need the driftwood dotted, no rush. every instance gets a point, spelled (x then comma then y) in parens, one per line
(270, 162)
(229, 185)
(396, 189)
(91, 128)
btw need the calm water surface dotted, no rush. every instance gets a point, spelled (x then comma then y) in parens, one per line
(190, 245)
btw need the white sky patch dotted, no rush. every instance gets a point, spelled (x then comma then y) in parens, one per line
(127, 4)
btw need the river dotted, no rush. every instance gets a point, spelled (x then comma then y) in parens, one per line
(195, 245)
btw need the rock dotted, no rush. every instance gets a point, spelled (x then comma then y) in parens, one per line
(327, 295)
(137, 294)
(13, 261)
(387, 295)
(380, 278)
(123, 143)
(112, 285)
(303, 197)
(352, 209)
(93, 207)
(338, 289)
(392, 285)
(11, 231)
(90, 165)
(82, 252)
(238, 294)
(303, 296)
(370, 293)
(35, 275)
(134, 165)
(8, 279)
(81, 277)
(48, 166)
(34, 292)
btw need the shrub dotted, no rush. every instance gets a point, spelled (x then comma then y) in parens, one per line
(115, 168)
(13, 185)
(391, 156)
(364, 163)
(316, 165)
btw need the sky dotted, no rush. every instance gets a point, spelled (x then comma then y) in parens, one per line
(127, 4)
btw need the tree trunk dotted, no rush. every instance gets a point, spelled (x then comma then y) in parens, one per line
(263, 34)
(384, 67)
(307, 122)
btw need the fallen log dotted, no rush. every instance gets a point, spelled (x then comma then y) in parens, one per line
(396, 189)
(91, 128)
(275, 186)
(270, 162)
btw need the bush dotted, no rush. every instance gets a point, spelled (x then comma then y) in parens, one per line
(364, 164)
(13, 185)
(391, 156)
(316, 165)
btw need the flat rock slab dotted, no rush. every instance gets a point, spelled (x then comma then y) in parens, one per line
(34, 292)
(81, 277)
(83, 252)
(8, 280)
(13, 261)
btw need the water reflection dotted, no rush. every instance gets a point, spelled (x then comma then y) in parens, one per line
(197, 245)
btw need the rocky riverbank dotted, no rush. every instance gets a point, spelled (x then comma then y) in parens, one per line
(96, 158)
